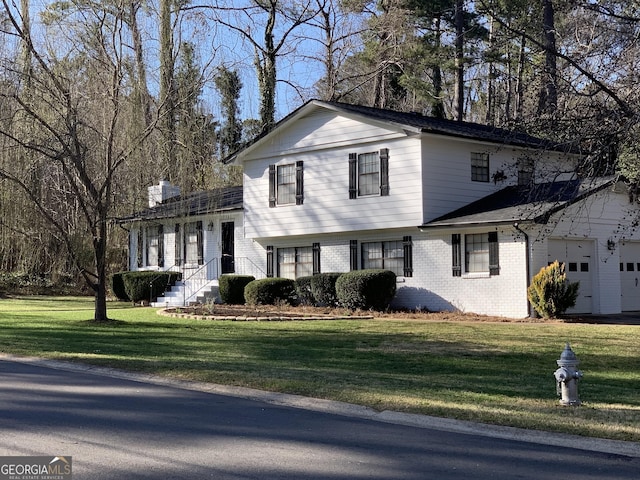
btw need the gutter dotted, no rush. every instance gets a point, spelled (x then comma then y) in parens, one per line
(527, 264)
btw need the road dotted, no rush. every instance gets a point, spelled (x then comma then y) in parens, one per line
(118, 428)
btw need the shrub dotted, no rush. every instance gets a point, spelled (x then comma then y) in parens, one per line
(550, 293)
(148, 285)
(270, 291)
(232, 288)
(118, 288)
(323, 289)
(371, 289)
(303, 291)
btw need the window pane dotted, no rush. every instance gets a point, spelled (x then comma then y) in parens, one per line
(295, 262)
(304, 262)
(152, 246)
(286, 181)
(480, 167)
(368, 174)
(476, 252)
(191, 242)
(387, 255)
(287, 263)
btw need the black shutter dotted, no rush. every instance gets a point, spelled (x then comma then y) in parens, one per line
(316, 258)
(146, 246)
(160, 245)
(272, 186)
(407, 245)
(456, 250)
(353, 175)
(200, 234)
(177, 249)
(140, 247)
(269, 260)
(384, 171)
(353, 255)
(494, 260)
(299, 182)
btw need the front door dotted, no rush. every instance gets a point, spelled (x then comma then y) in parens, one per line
(227, 261)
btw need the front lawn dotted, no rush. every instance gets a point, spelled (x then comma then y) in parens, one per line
(492, 372)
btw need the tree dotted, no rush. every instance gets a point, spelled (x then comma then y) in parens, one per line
(74, 115)
(276, 20)
(229, 87)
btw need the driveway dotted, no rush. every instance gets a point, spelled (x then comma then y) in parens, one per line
(122, 426)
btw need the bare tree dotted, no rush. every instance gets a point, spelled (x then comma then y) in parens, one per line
(74, 113)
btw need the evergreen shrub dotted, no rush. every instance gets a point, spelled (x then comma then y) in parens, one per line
(148, 285)
(371, 289)
(323, 289)
(303, 291)
(270, 291)
(550, 293)
(232, 288)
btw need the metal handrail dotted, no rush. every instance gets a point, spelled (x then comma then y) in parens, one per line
(193, 292)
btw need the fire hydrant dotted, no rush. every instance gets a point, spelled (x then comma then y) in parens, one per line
(567, 377)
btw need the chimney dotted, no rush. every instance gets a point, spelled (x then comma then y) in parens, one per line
(161, 192)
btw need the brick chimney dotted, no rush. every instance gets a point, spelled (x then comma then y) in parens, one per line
(161, 192)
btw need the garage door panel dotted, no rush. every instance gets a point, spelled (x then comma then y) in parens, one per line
(630, 276)
(577, 255)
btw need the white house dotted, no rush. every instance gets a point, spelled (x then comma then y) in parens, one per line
(464, 214)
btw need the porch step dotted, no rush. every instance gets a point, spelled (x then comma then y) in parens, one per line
(175, 297)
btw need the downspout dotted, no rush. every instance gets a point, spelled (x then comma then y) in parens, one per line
(527, 263)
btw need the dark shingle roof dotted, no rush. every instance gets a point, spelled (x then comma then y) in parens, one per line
(197, 203)
(445, 127)
(520, 204)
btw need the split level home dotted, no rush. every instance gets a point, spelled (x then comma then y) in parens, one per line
(464, 214)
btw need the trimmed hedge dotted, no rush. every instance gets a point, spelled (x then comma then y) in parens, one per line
(148, 285)
(118, 288)
(323, 289)
(371, 289)
(303, 291)
(232, 288)
(270, 291)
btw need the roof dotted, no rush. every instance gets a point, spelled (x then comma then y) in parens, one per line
(418, 123)
(522, 204)
(197, 203)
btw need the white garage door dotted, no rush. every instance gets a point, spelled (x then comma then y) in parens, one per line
(577, 255)
(630, 276)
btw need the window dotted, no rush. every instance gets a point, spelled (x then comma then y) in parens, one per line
(369, 173)
(286, 184)
(480, 167)
(155, 246)
(193, 248)
(296, 262)
(386, 255)
(525, 171)
(476, 252)
(480, 253)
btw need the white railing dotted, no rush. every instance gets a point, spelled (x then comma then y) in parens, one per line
(245, 266)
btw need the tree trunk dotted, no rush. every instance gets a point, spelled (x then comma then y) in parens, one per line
(548, 102)
(459, 59)
(438, 105)
(167, 89)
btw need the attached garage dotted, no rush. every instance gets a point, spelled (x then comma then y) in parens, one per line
(630, 276)
(578, 257)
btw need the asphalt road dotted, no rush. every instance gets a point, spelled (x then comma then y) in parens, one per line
(119, 428)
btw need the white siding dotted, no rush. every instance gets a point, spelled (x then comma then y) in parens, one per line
(327, 207)
(446, 171)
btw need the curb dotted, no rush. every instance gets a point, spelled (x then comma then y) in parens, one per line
(612, 447)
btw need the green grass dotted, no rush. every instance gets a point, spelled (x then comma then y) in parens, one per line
(499, 373)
